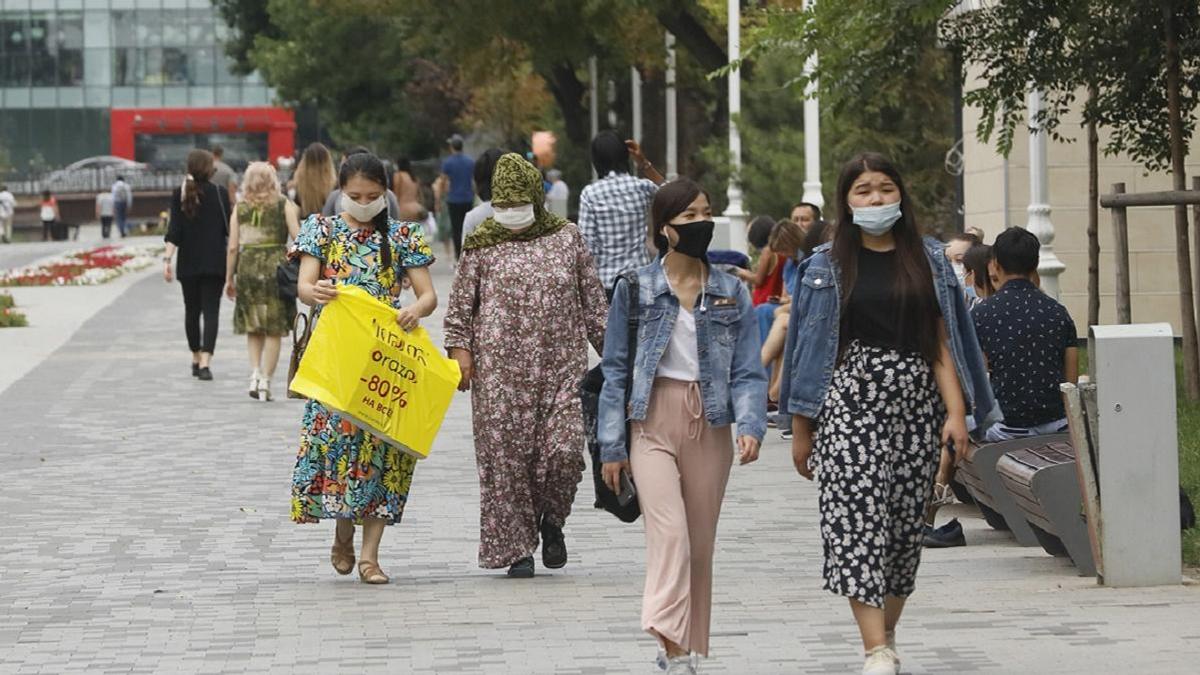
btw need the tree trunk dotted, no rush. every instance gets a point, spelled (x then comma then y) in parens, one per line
(1191, 360)
(1093, 226)
(692, 36)
(568, 92)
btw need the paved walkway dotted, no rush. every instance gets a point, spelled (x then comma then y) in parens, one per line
(147, 531)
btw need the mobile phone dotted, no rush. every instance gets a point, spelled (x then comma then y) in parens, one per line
(628, 491)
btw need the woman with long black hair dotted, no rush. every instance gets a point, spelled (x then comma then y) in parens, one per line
(882, 368)
(343, 472)
(198, 229)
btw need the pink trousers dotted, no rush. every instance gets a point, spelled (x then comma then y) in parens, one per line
(680, 466)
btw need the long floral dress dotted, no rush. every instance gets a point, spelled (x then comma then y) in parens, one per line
(526, 310)
(342, 471)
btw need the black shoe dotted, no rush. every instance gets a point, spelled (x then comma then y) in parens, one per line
(204, 374)
(554, 547)
(522, 569)
(786, 434)
(771, 422)
(949, 535)
(195, 370)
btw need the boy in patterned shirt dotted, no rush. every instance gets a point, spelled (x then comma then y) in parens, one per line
(1029, 340)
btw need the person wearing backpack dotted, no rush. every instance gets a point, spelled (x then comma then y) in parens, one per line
(696, 372)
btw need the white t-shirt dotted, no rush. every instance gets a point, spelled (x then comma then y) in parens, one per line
(8, 204)
(475, 217)
(556, 199)
(104, 204)
(681, 358)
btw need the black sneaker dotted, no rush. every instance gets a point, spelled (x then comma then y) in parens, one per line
(204, 374)
(786, 434)
(195, 370)
(949, 535)
(522, 569)
(554, 547)
(771, 422)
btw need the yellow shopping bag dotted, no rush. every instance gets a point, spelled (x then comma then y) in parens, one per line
(393, 384)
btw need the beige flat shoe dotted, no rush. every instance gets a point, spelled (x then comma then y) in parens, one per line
(370, 573)
(341, 556)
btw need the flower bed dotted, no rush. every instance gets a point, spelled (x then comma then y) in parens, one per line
(9, 316)
(83, 268)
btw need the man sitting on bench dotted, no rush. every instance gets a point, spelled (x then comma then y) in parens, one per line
(1029, 341)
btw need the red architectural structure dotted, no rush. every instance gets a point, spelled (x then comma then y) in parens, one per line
(278, 123)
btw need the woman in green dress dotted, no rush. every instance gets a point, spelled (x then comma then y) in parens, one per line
(258, 235)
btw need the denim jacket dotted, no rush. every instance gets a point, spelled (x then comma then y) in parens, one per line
(812, 337)
(733, 385)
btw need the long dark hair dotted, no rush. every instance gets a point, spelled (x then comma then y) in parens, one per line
(976, 261)
(199, 170)
(370, 167)
(672, 199)
(914, 294)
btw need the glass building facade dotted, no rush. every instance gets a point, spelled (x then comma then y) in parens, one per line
(65, 65)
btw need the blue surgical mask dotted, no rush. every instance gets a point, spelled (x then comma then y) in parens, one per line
(876, 220)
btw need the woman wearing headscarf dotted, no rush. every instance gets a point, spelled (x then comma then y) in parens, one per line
(526, 301)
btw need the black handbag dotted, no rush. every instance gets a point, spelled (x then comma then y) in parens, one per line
(589, 394)
(287, 276)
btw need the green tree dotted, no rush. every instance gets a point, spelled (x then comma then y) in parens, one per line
(1140, 66)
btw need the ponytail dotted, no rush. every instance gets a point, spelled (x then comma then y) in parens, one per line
(190, 196)
(382, 227)
(199, 169)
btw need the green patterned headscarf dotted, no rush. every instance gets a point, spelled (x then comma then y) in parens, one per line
(516, 181)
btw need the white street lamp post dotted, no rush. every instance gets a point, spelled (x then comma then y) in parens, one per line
(1049, 266)
(734, 212)
(812, 134)
(672, 121)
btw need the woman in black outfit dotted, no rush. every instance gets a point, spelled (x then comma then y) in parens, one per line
(199, 229)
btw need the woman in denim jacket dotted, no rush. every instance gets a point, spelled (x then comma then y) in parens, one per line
(696, 371)
(882, 368)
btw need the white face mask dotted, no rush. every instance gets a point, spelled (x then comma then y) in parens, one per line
(876, 220)
(363, 213)
(960, 271)
(514, 218)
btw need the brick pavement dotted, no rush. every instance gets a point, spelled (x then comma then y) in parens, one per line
(147, 531)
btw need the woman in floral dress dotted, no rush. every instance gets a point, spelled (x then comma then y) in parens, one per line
(343, 472)
(525, 303)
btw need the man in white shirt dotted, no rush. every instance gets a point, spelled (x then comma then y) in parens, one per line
(104, 212)
(8, 206)
(560, 193)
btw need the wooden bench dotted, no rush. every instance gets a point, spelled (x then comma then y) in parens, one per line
(977, 471)
(1045, 486)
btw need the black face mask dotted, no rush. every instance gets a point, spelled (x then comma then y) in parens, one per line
(694, 237)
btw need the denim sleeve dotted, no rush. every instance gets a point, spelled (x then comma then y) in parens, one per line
(610, 430)
(789, 345)
(748, 380)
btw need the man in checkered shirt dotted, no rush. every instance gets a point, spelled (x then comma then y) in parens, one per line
(612, 210)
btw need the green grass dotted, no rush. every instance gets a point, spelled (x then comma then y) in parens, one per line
(1188, 413)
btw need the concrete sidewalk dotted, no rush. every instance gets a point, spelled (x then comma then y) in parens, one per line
(147, 530)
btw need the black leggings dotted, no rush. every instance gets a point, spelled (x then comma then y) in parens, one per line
(202, 295)
(457, 213)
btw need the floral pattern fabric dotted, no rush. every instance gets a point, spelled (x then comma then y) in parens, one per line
(526, 310)
(342, 471)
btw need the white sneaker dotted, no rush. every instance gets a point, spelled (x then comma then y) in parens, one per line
(881, 661)
(891, 643)
(661, 662)
(264, 389)
(681, 665)
(254, 384)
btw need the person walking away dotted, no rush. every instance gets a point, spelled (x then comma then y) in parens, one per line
(49, 214)
(559, 195)
(343, 472)
(224, 175)
(104, 213)
(978, 277)
(882, 368)
(457, 170)
(485, 164)
(684, 399)
(333, 202)
(1030, 342)
(315, 179)
(8, 208)
(198, 230)
(122, 196)
(613, 208)
(405, 186)
(525, 304)
(263, 222)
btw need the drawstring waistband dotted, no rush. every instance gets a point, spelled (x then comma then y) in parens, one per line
(694, 404)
